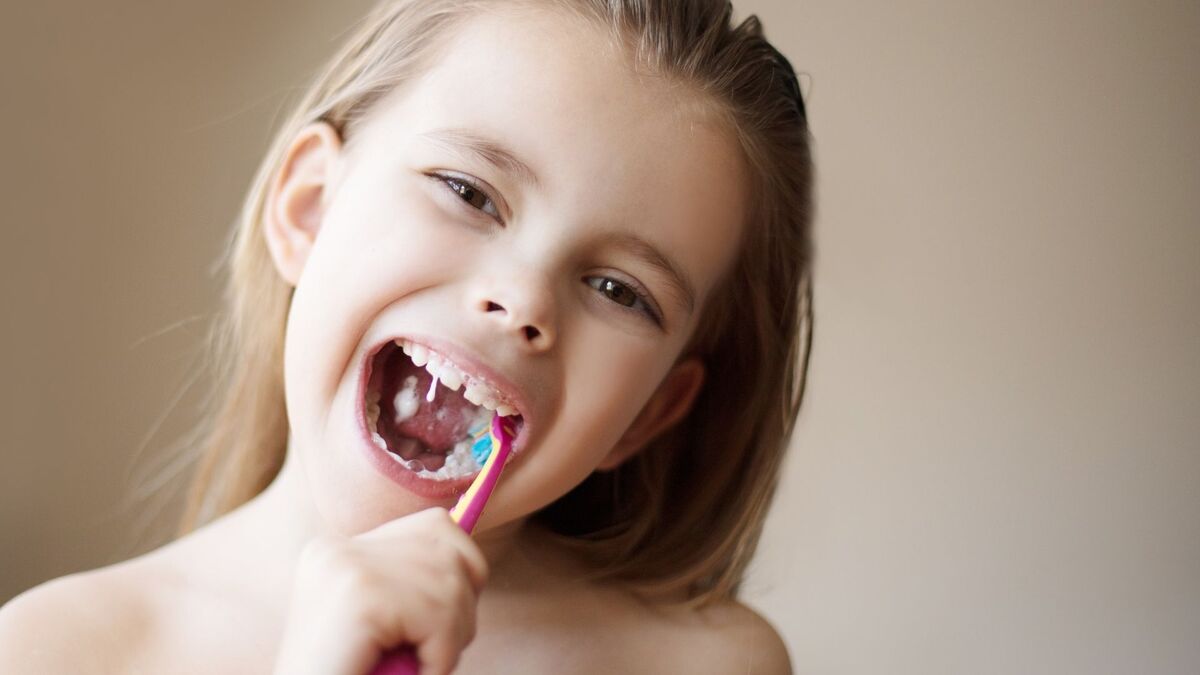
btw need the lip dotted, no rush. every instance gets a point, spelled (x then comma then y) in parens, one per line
(382, 461)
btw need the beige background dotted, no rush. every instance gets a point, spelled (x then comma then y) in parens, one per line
(998, 469)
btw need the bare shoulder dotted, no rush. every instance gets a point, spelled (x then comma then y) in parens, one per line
(725, 637)
(83, 622)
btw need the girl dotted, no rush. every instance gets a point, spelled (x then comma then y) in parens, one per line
(590, 216)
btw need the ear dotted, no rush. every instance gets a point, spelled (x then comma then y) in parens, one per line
(669, 404)
(297, 197)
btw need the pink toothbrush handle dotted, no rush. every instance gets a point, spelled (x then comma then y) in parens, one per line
(399, 661)
(402, 660)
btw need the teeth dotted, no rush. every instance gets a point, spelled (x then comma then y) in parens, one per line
(451, 378)
(459, 463)
(420, 355)
(447, 374)
(479, 393)
(474, 393)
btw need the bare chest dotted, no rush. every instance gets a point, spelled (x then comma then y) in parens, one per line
(212, 638)
(198, 638)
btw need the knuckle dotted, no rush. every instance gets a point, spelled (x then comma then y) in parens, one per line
(351, 581)
(318, 549)
(453, 588)
(435, 516)
(482, 569)
(339, 570)
(458, 582)
(447, 553)
(322, 554)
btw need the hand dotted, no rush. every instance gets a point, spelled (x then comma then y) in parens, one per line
(412, 580)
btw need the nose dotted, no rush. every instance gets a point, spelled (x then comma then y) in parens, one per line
(520, 309)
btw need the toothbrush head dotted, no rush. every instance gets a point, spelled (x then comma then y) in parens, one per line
(481, 449)
(470, 505)
(503, 430)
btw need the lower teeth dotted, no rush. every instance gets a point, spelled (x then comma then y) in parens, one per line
(460, 462)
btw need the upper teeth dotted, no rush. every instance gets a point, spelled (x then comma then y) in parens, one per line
(443, 369)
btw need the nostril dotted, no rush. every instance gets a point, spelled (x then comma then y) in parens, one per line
(493, 307)
(531, 333)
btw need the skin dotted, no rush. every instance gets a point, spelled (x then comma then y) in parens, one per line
(366, 233)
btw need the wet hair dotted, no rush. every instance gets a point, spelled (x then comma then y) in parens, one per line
(683, 516)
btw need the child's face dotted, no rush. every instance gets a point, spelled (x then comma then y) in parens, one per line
(531, 285)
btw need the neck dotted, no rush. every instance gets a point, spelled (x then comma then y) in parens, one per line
(262, 539)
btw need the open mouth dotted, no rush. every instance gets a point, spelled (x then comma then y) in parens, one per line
(429, 414)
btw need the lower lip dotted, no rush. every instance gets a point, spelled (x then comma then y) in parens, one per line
(439, 490)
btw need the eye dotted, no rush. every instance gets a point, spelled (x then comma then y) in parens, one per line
(469, 192)
(625, 295)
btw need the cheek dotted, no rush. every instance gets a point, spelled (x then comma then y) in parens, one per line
(375, 247)
(389, 222)
(384, 236)
(608, 384)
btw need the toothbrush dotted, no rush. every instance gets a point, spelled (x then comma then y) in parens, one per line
(403, 659)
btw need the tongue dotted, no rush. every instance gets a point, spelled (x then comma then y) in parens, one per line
(437, 425)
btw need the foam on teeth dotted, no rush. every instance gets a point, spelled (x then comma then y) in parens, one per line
(449, 376)
(407, 400)
(459, 463)
(432, 389)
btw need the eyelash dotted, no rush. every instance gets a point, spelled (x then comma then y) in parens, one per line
(646, 310)
(447, 180)
(640, 298)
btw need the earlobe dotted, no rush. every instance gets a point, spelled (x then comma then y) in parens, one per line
(297, 197)
(669, 404)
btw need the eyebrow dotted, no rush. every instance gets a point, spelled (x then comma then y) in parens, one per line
(681, 286)
(491, 151)
(496, 154)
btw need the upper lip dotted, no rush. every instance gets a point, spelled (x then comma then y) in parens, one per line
(470, 364)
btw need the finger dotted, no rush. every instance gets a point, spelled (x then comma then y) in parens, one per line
(423, 520)
(469, 557)
(439, 654)
(444, 531)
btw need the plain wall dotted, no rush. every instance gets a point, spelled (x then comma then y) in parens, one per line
(997, 468)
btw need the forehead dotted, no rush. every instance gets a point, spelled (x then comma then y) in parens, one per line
(613, 150)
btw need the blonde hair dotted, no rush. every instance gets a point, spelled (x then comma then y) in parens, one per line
(684, 515)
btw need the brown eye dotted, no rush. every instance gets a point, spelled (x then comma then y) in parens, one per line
(618, 292)
(471, 194)
(624, 295)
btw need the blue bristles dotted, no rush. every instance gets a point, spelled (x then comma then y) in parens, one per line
(482, 449)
